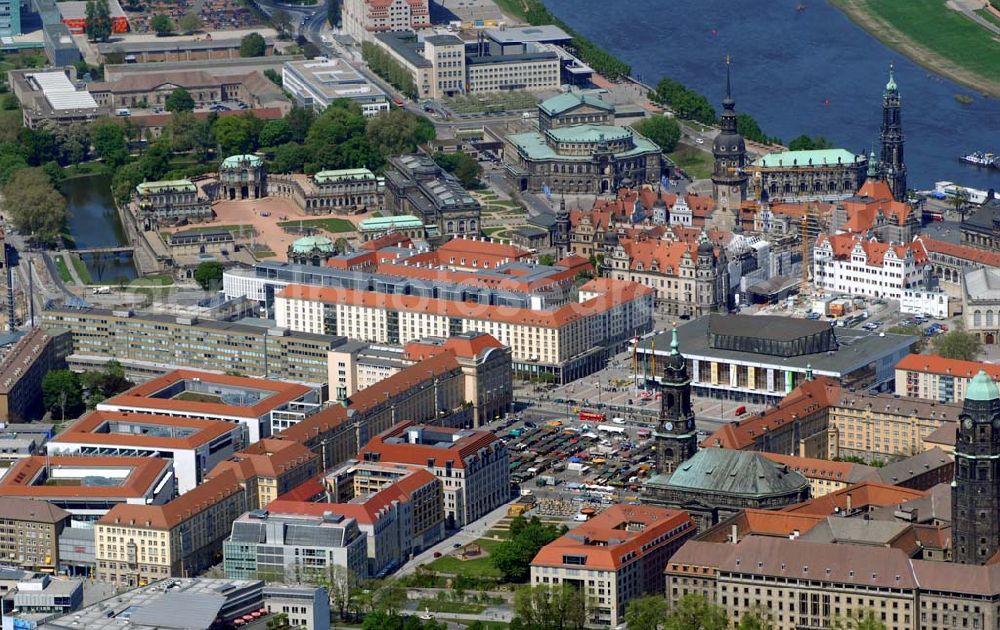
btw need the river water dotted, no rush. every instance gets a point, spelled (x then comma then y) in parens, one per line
(810, 71)
(94, 222)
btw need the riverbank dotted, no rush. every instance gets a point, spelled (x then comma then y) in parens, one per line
(934, 36)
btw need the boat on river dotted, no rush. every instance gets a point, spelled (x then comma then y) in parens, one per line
(981, 159)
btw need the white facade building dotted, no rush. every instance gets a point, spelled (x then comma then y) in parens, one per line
(851, 264)
(362, 18)
(915, 301)
(318, 82)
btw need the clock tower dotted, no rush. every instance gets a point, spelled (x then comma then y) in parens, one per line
(975, 493)
(675, 435)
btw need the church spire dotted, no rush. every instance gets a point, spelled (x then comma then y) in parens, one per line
(674, 344)
(891, 86)
(728, 102)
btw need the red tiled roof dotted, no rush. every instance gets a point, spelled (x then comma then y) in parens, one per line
(267, 458)
(421, 454)
(20, 479)
(962, 252)
(392, 239)
(861, 495)
(201, 497)
(465, 347)
(815, 468)
(613, 536)
(84, 430)
(843, 244)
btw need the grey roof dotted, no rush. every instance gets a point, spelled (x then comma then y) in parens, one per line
(856, 349)
(900, 472)
(742, 473)
(444, 40)
(982, 219)
(34, 510)
(171, 43)
(405, 45)
(983, 285)
(772, 327)
(544, 33)
(180, 610)
(934, 507)
(856, 531)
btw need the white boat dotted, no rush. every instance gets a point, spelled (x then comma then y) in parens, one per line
(980, 158)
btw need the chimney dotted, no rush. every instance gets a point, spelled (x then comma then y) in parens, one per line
(734, 536)
(849, 503)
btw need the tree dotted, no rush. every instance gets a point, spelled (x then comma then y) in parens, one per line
(646, 613)
(959, 201)
(694, 612)
(957, 344)
(108, 138)
(282, 23)
(662, 130)
(97, 24)
(274, 77)
(100, 385)
(179, 100)
(546, 260)
(72, 143)
(299, 120)
(208, 274)
(337, 139)
(463, 165)
(398, 131)
(189, 23)
(275, 132)
(914, 330)
(61, 391)
(342, 584)
(34, 205)
(252, 45)
(289, 158)
(805, 143)
(755, 620)
(513, 557)
(555, 607)
(234, 134)
(161, 24)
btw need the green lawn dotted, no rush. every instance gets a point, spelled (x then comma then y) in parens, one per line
(478, 567)
(492, 102)
(988, 16)
(330, 225)
(944, 31)
(63, 270)
(433, 605)
(243, 227)
(81, 269)
(697, 164)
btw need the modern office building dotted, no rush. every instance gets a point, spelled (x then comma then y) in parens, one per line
(474, 466)
(251, 347)
(761, 358)
(10, 18)
(615, 557)
(194, 446)
(316, 83)
(257, 404)
(51, 96)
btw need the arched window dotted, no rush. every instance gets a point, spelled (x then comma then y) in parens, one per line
(989, 318)
(977, 318)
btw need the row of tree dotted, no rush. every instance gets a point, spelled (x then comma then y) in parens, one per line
(382, 64)
(690, 105)
(66, 394)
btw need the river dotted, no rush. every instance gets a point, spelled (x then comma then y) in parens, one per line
(94, 222)
(810, 71)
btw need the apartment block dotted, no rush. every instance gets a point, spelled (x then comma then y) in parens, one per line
(22, 369)
(251, 347)
(473, 466)
(932, 377)
(615, 557)
(29, 532)
(140, 544)
(363, 18)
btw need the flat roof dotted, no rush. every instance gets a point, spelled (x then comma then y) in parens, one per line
(334, 78)
(38, 477)
(59, 91)
(513, 35)
(77, 9)
(856, 348)
(257, 396)
(805, 159)
(160, 431)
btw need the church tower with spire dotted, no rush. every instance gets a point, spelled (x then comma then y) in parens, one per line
(675, 435)
(892, 167)
(729, 179)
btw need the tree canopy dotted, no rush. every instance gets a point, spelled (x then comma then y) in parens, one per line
(685, 103)
(189, 23)
(97, 22)
(663, 130)
(646, 613)
(208, 275)
(513, 557)
(34, 205)
(806, 143)
(551, 607)
(957, 344)
(179, 100)
(62, 393)
(462, 165)
(161, 24)
(253, 45)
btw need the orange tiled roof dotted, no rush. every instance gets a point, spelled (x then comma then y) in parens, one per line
(201, 497)
(664, 256)
(421, 454)
(814, 468)
(962, 252)
(267, 458)
(861, 495)
(20, 479)
(392, 239)
(142, 396)
(843, 244)
(612, 538)
(460, 346)
(84, 430)
(872, 200)
(934, 364)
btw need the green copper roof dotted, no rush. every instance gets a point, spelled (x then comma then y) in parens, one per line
(173, 185)
(382, 223)
(535, 147)
(361, 174)
(802, 159)
(982, 387)
(740, 473)
(891, 85)
(235, 160)
(674, 344)
(589, 133)
(307, 244)
(564, 102)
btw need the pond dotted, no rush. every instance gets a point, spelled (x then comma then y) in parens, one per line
(94, 222)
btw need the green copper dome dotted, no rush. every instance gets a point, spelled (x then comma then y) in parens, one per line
(891, 85)
(233, 161)
(307, 244)
(982, 387)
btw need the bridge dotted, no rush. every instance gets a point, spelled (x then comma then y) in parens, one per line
(105, 250)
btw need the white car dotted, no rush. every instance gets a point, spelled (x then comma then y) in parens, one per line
(699, 140)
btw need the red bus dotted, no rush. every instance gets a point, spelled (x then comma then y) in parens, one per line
(592, 416)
